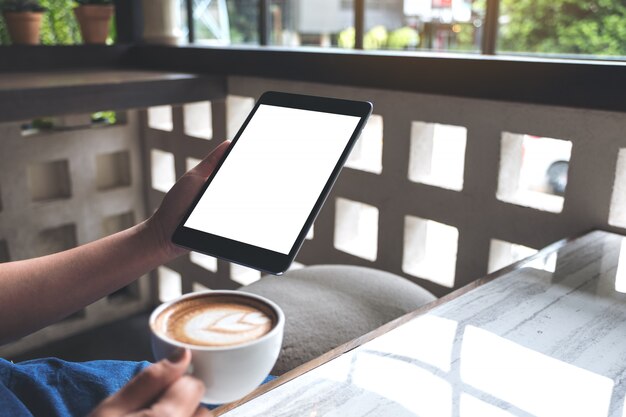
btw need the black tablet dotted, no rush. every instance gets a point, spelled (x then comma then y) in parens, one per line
(259, 203)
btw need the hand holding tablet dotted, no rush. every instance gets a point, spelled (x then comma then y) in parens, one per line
(259, 203)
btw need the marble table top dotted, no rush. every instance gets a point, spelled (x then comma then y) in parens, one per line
(547, 339)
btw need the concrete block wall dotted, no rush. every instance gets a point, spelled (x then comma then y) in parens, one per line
(431, 193)
(67, 187)
(434, 190)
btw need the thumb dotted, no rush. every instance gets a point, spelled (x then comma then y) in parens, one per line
(144, 388)
(208, 164)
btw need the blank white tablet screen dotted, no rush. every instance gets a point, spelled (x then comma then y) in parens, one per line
(270, 181)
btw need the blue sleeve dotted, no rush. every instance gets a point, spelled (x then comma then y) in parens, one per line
(53, 387)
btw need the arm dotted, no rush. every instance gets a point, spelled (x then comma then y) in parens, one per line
(37, 292)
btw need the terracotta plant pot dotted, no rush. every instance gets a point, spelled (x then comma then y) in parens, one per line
(94, 22)
(23, 27)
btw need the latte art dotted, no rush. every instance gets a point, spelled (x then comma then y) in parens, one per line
(215, 323)
(224, 325)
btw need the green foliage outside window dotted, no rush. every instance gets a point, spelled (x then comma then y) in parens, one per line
(243, 16)
(594, 27)
(466, 38)
(378, 38)
(375, 38)
(403, 38)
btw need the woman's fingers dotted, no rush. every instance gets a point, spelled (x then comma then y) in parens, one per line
(148, 385)
(181, 399)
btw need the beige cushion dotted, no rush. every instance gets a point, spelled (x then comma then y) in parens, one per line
(328, 305)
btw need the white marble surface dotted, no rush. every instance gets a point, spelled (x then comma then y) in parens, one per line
(547, 340)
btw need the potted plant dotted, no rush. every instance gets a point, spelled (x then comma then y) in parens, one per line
(23, 20)
(94, 17)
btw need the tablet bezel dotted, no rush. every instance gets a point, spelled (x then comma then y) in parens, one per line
(253, 256)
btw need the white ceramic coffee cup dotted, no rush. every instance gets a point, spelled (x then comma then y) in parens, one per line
(229, 372)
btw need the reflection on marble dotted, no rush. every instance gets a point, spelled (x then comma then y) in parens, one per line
(546, 340)
(620, 274)
(529, 380)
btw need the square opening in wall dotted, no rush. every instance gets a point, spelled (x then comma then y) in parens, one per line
(430, 250)
(237, 109)
(170, 284)
(295, 266)
(163, 170)
(49, 180)
(437, 155)
(617, 213)
(356, 228)
(533, 171)
(191, 162)
(503, 254)
(205, 261)
(4, 251)
(125, 294)
(198, 120)
(55, 240)
(367, 154)
(117, 223)
(113, 170)
(196, 286)
(160, 118)
(244, 275)
(544, 263)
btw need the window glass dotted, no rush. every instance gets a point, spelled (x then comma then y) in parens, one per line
(226, 22)
(311, 23)
(554, 27)
(567, 27)
(439, 25)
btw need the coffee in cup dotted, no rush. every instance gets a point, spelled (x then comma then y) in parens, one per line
(234, 337)
(216, 320)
